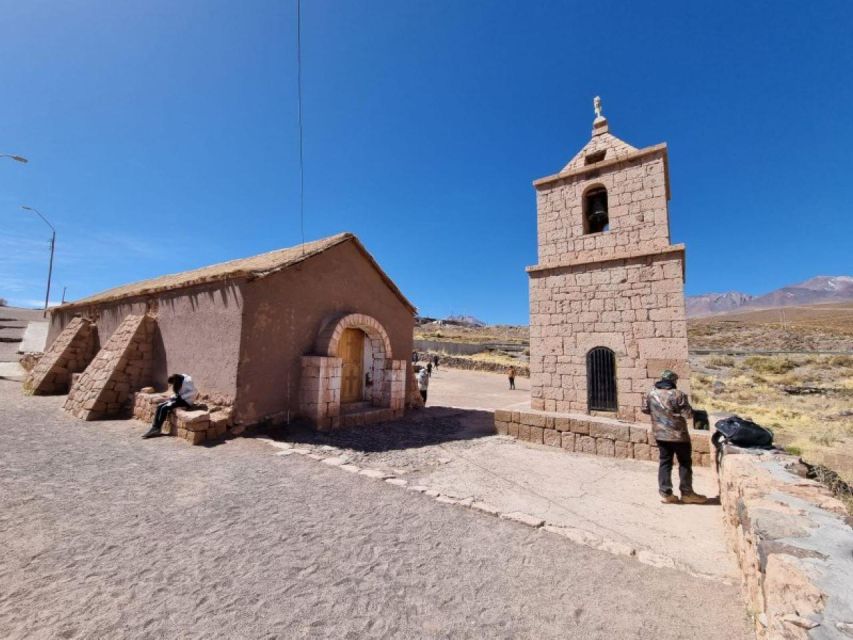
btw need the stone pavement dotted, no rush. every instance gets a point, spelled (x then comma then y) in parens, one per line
(605, 503)
(107, 535)
(35, 337)
(13, 325)
(12, 371)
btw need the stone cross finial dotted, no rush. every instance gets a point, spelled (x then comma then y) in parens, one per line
(596, 104)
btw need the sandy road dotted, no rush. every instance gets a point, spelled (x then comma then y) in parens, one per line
(104, 535)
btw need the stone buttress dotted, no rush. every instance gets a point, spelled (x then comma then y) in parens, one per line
(122, 366)
(71, 352)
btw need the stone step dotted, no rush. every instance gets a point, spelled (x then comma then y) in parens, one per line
(367, 416)
(355, 407)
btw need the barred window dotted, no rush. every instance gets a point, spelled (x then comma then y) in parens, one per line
(601, 379)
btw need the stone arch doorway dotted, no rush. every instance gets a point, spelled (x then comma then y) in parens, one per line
(353, 364)
(355, 337)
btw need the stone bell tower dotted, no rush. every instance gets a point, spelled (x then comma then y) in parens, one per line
(607, 297)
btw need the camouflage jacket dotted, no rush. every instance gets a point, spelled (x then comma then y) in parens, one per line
(670, 411)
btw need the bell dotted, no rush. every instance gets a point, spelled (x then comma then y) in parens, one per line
(597, 215)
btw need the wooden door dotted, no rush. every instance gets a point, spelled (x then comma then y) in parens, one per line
(352, 373)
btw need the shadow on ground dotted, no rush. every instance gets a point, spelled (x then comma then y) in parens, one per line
(419, 428)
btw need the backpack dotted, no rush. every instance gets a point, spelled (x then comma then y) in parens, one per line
(741, 433)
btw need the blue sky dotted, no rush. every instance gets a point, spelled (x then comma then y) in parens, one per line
(162, 135)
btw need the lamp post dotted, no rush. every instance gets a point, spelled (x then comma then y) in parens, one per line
(52, 245)
(21, 159)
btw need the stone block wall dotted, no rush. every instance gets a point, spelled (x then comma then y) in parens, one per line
(197, 426)
(121, 366)
(70, 353)
(637, 208)
(793, 542)
(621, 288)
(593, 435)
(394, 387)
(635, 307)
(320, 391)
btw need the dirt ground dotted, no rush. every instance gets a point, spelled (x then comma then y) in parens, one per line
(476, 390)
(106, 535)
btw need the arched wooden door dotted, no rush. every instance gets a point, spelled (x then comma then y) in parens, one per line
(351, 350)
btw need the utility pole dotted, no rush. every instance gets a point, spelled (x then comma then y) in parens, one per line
(52, 247)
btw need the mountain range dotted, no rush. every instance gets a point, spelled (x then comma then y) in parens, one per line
(820, 289)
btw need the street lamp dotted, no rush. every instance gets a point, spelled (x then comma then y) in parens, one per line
(14, 157)
(52, 245)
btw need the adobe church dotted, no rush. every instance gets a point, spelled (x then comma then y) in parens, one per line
(607, 311)
(317, 331)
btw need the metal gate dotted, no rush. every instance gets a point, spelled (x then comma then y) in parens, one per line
(601, 379)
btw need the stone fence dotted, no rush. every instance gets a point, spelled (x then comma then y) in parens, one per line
(794, 545)
(454, 362)
(592, 434)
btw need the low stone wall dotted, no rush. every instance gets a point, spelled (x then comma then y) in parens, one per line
(521, 370)
(196, 426)
(794, 545)
(593, 435)
(449, 348)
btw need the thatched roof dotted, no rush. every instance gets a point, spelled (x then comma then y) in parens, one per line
(253, 267)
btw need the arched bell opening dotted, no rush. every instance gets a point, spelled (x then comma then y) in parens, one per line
(596, 215)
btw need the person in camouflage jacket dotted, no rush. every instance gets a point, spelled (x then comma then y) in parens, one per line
(670, 410)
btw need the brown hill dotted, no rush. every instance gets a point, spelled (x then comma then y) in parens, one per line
(817, 290)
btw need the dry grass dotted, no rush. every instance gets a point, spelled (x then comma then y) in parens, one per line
(818, 425)
(811, 328)
(495, 357)
(507, 334)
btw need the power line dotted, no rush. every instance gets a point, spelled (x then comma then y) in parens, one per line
(299, 87)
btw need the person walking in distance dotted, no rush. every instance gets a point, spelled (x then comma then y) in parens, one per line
(423, 383)
(435, 362)
(670, 409)
(429, 367)
(512, 378)
(185, 395)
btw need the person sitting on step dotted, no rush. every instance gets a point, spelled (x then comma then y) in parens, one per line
(185, 395)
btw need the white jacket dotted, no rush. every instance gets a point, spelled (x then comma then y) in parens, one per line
(188, 391)
(423, 380)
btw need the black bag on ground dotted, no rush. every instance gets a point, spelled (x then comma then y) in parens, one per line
(743, 433)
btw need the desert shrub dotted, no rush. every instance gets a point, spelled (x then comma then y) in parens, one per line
(698, 397)
(791, 380)
(825, 437)
(720, 362)
(700, 379)
(794, 451)
(772, 365)
(841, 361)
